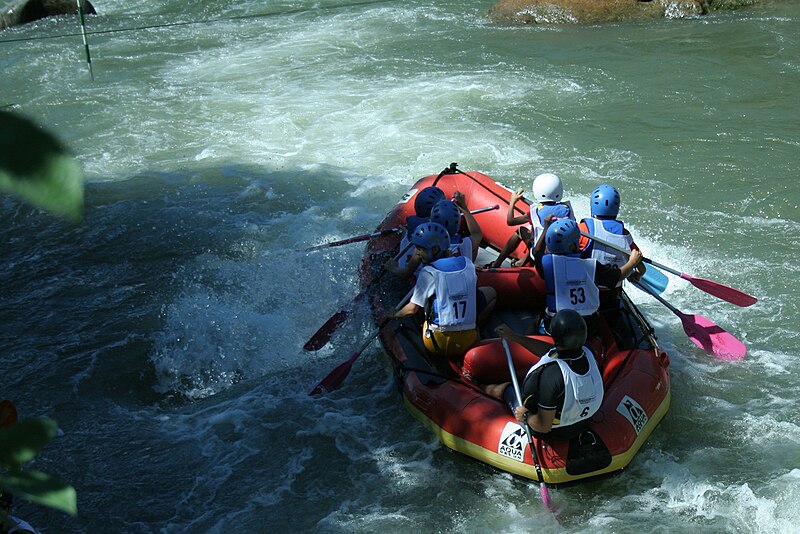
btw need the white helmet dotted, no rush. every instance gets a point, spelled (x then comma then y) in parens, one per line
(547, 187)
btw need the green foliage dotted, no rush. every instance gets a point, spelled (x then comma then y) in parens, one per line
(41, 488)
(36, 167)
(19, 443)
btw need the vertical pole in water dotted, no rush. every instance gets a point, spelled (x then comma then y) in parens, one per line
(85, 40)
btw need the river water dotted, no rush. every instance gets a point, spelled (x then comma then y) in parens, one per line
(165, 332)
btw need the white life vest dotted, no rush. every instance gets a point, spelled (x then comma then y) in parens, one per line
(562, 210)
(403, 260)
(605, 254)
(573, 284)
(462, 248)
(456, 297)
(583, 394)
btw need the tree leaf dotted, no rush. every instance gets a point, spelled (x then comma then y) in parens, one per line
(19, 443)
(36, 167)
(41, 488)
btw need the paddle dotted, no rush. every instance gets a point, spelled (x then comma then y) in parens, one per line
(8, 413)
(728, 294)
(335, 378)
(356, 239)
(324, 333)
(383, 233)
(542, 486)
(705, 334)
(654, 279)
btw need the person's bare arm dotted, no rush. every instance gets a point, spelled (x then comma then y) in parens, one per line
(409, 268)
(406, 311)
(541, 421)
(475, 232)
(512, 220)
(540, 244)
(633, 260)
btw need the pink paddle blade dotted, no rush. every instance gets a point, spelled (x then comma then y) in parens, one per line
(711, 338)
(546, 496)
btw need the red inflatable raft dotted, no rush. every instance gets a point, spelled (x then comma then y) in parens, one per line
(634, 369)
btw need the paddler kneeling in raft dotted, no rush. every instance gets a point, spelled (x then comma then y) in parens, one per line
(446, 288)
(448, 213)
(573, 282)
(564, 389)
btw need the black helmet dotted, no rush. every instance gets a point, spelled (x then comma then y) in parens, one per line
(568, 330)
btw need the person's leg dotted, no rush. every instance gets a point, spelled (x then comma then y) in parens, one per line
(521, 235)
(495, 390)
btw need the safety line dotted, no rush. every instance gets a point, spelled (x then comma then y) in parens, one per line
(190, 23)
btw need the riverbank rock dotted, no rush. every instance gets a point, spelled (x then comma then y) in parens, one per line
(25, 11)
(600, 11)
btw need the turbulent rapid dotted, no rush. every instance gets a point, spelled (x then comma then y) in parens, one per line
(164, 333)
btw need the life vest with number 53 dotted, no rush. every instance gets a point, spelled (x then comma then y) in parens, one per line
(570, 284)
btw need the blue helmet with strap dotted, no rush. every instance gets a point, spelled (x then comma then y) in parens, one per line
(430, 235)
(426, 199)
(605, 201)
(446, 213)
(562, 236)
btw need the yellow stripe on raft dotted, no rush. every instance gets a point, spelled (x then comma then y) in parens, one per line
(551, 476)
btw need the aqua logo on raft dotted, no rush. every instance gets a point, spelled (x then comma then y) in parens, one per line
(633, 412)
(512, 442)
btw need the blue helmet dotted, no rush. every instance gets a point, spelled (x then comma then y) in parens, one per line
(562, 236)
(426, 199)
(429, 235)
(446, 213)
(605, 201)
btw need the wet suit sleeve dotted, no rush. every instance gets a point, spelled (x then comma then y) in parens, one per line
(543, 388)
(606, 275)
(551, 387)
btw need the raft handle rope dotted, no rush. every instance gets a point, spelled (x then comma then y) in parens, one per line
(498, 195)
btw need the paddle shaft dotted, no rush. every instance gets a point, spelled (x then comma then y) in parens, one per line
(661, 299)
(628, 252)
(385, 321)
(356, 239)
(382, 233)
(542, 486)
